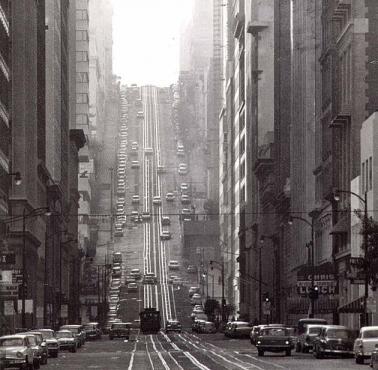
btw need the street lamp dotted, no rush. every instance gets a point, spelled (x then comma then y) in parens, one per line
(311, 244)
(17, 177)
(336, 196)
(221, 265)
(24, 217)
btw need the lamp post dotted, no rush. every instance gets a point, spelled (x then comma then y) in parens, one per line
(221, 265)
(17, 177)
(311, 224)
(23, 285)
(365, 258)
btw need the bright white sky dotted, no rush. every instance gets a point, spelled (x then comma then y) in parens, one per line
(146, 36)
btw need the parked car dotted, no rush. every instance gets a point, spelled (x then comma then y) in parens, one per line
(165, 235)
(67, 340)
(169, 197)
(135, 199)
(274, 339)
(51, 342)
(92, 330)
(165, 221)
(196, 325)
(306, 339)
(239, 329)
(135, 273)
(191, 269)
(173, 265)
(149, 278)
(193, 290)
(196, 299)
(365, 343)
(132, 287)
(173, 325)
(120, 330)
(207, 327)
(77, 330)
(156, 200)
(334, 340)
(19, 351)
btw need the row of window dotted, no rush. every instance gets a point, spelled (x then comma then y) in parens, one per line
(82, 36)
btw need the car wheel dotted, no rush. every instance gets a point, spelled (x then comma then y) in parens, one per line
(288, 352)
(31, 366)
(318, 353)
(260, 352)
(359, 360)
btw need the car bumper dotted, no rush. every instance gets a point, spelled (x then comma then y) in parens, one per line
(67, 346)
(52, 350)
(338, 352)
(13, 362)
(273, 347)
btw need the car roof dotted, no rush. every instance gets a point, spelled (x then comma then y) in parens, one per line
(71, 326)
(366, 328)
(18, 335)
(64, 331)
(335, 327)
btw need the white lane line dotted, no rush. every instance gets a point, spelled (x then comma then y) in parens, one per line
(194, 361)
(262, 361)
(149, 357)
(159, 354)
(132, 357)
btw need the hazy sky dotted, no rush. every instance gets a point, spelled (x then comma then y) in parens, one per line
(146, 35)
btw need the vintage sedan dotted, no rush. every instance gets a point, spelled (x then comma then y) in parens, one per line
(365, 343)
(336, 340)
(42, 350)
(374, 358)
(67, 340)
(52, 343)
(92, 330)
(120, 330)
(77, 330)
(173, 325)
(19, 351)
(239, 329)
(274, 339)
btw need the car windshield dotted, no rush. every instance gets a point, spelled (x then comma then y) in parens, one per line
(73, 330)
(120, 326)
(370, 334)
(339, 333)
(274, 332)
(63, 335)
(47, 334)
(11, 342)
(89, 327)
(314, 330)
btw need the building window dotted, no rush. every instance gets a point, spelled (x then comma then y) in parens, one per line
(346, 75)
(81, 98)
(370, 173)
(82, 56)
(82, 77)
(82, 15)
(242, 146)
(81, 36)
(82, 119)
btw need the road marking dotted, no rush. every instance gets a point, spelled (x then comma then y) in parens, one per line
(195, 361)
(262, 361)
(132, 357)
(159, 354)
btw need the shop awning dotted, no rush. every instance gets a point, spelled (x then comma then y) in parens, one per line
(355, 306)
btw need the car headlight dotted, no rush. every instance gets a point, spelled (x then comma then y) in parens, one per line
(287, 342)
(19, 354)
(258, 342)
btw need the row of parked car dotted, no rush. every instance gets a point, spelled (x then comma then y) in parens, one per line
(31, 349)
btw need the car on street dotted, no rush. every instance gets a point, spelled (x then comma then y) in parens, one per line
(191, 269)
(120, 330)
(42, 350)
(118, 232)
(165, 235)
(334, 340)
(365, 343)
(132, 287)
(92, 330)
(135, 199)
(148, 151)
(185, 199)
(19, 351)
(156, 200)
(206, 327)
(169, 197)
(374, 358)
(160, 168)
(140, 114)
(67, 340)
(149, 278)
(172, 278)
(165, 221)
(274, 339)
(78, 332)
(184, 186)
(198, 309)
(51, 342)
(306, 339)
(173, 265)
(239, 329)
(135, 164)
(173, 326)
(196, 299)
(135, 273)
(146, 215)
(193, 290)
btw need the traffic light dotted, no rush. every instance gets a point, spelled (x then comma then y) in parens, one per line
(314, 292)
